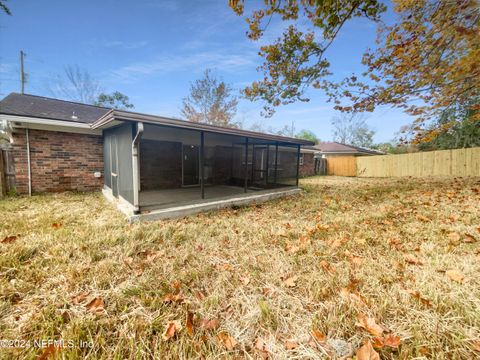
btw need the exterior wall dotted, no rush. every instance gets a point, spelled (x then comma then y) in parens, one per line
(60, 161)
(308, 167)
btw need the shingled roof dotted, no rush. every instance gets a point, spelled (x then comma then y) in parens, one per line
(332, 147)
(43, 107)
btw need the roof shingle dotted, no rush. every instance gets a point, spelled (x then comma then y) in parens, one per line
(43, 107)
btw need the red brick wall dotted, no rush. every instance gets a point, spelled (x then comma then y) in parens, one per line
(60, 161)
(308, 167)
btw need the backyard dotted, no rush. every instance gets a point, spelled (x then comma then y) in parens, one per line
(386, 265)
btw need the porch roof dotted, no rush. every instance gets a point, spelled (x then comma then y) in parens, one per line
(115, 117)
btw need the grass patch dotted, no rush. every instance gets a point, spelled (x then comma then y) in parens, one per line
(344, 247)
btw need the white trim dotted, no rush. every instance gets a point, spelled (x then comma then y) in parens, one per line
(49, 124)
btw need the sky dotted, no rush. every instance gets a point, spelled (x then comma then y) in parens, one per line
(151, 50)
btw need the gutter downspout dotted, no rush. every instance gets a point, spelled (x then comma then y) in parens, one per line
(136, 167)
(29, 164)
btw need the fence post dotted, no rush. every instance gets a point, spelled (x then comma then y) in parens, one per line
(3, 183)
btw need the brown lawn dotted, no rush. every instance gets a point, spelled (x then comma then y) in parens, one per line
(391, 261)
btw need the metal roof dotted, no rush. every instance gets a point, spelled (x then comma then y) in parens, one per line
(99, 117)
(122, 115)
(48, 108)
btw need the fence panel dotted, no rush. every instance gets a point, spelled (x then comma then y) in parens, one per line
(458, 162)
(342, 166)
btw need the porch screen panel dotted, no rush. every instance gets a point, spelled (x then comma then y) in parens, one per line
(287, 166)
(224, 165)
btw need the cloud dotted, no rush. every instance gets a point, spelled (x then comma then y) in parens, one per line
(119, 44)
(219, 60)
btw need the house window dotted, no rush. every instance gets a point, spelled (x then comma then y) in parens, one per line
(301, 159)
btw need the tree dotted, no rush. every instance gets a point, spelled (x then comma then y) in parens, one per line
(79, 85)
(427, 64)
(307, 135)
(429, 54)
(297, 60)
(352, 129)
(452, 130)
(210, 101)
(76, 84)
(115, 100)
(5, 8)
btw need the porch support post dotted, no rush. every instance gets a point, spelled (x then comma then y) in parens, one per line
(268, 164)
(136, 167)
(202, 163)
(276, 165)
(298, 164)
(246, 165)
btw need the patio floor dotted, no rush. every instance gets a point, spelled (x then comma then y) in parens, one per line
(164, 198)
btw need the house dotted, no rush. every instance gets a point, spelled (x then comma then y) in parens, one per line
(340, 158)
(331, 149)
(150, 166)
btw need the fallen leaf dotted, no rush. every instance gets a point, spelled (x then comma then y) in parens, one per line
(199, 295)
(176, 284)
(172, 328)
(189, 323)
(327, 267)
(49, 351)
(369, 324)
(417, 295)
(291, 248)
(367, 352)
(56, 225)
(226, 340)
(318, 335)
(469, 238)
(377, 343)
(353, 295)
(96, 305)
(261, 346)
(291, 281)
(454, 236)
(77, 299)
(455, 275)
(170, 298)
(392, 341)
(210, 324)
(9, 239)
(291, 344)
(411, 259)
(476, 345)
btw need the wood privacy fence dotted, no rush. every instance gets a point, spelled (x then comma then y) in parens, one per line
(458, 162)
(342, 166)
(7, 180)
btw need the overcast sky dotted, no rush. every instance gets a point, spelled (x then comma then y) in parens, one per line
(152, 50)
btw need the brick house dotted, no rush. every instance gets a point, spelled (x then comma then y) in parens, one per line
(145, 163)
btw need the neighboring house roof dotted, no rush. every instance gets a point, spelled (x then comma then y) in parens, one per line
(338, 148)
(48, 108)
(96, 117)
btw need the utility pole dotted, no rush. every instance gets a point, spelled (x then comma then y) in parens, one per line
(22, 72)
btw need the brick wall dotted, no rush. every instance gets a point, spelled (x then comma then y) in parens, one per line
(60, 161)
(308, 167)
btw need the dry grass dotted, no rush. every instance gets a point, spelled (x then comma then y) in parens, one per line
(273, 272)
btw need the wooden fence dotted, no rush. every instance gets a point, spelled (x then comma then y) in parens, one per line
(342, 166)
(7, 178)
(458, 162)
